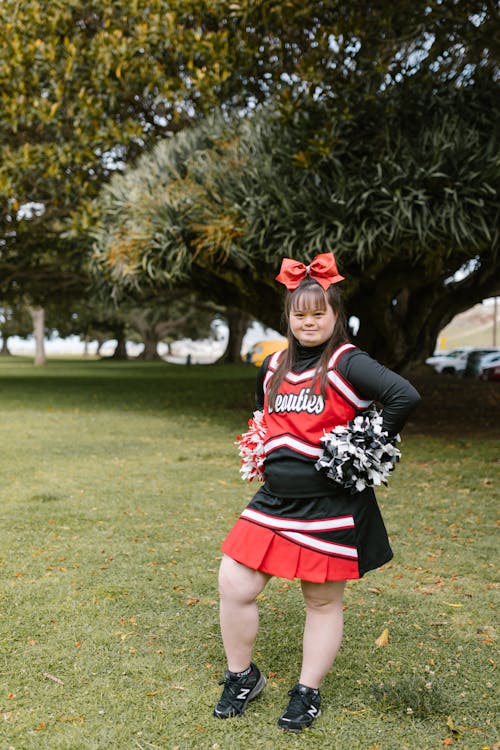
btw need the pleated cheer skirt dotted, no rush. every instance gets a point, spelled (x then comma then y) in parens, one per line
(334, 538)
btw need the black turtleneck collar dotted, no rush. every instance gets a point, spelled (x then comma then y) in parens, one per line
(307, 356)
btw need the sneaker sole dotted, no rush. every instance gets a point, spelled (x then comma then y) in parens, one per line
(296, 729)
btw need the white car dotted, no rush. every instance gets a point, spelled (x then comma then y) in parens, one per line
(452, 362)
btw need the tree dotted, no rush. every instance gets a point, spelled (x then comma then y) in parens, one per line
(178, 314)
(88, 85)
(14, 321)
(406, 200)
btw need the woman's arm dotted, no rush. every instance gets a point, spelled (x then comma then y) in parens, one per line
(372, 380)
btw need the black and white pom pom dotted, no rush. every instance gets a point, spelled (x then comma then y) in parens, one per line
(251, 445)
(360, 454)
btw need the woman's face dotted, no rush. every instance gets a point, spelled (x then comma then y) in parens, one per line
(312, 324)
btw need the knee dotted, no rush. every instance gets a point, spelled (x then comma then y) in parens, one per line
(237, 582)
(227, 580)
(318, 604)
(323, 598)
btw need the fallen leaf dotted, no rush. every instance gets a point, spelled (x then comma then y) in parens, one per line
(383, 639)
(51, 677)
(192, 601)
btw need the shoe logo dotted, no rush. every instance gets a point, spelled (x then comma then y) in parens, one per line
(243, 694)
(313, 711)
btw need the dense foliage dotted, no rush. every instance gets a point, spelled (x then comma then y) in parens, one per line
(406, 200)
(87, 86)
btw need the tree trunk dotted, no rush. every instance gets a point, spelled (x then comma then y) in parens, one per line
(401, 312)
(121, 344)
(86, 346)
(238, 322)
(149, 332)
(38, 318)
(150, 351)
(5, 347)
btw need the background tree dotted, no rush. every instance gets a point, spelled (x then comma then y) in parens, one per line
(15, 320)
(406, 202)
(88, 85)
(176, 315)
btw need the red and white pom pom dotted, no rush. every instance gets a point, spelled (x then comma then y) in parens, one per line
(251, 448)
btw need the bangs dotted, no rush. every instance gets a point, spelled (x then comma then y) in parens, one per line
(312, 297)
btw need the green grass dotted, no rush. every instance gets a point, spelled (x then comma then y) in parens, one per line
(118, 483)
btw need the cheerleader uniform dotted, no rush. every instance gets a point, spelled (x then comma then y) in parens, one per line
(301, 524)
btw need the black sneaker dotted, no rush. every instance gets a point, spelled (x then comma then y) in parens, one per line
(238, 692)
(302, 709)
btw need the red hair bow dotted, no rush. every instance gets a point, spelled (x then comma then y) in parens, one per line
(322, 269)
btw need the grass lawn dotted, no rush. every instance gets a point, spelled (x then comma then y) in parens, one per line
(118, 483)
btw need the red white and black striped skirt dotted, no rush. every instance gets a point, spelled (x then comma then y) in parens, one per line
(334, 538)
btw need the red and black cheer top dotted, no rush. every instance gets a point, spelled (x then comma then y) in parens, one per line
(300, 416)
(300, 524)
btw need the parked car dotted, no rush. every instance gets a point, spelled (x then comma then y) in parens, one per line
(463, 360)
(261, 349)
(475, 358)
(451, 362)
(490, 367)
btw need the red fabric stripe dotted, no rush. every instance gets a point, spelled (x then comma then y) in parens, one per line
(262, 549)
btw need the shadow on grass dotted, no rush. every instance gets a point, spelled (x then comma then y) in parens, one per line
(209, 390)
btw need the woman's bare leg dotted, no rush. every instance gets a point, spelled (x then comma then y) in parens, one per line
(323, 629)
(239, 587)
